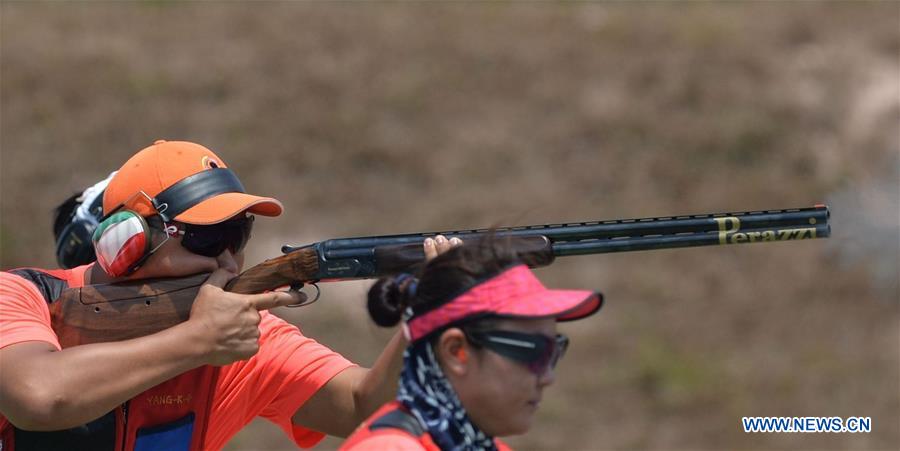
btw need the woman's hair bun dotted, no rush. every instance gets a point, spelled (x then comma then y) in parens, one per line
(389, 297)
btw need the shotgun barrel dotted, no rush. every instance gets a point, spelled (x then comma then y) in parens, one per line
(377, 255)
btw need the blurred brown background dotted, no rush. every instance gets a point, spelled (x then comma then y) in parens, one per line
(403, 117)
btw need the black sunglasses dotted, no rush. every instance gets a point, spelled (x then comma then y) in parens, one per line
(538, 352)
(212, 240)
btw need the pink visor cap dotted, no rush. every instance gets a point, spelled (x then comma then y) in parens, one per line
(514, 293)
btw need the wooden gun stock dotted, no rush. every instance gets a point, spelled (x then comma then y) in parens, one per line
(115, 312)
(122, 311)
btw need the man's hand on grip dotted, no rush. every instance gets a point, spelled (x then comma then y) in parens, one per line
(228, 323)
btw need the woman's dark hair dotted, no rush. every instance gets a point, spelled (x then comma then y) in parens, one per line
(447, 276)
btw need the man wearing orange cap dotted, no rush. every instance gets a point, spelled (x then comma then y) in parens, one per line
(175, 209)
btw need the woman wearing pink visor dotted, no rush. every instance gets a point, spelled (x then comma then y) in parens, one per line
(483, 345)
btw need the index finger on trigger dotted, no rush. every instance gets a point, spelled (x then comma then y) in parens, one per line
(274, 299)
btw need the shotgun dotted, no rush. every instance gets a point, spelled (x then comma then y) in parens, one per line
(113, 312)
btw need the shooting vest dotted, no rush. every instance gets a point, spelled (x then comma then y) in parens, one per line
(171, 416)
(392, 419)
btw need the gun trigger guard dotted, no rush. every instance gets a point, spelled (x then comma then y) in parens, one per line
(297, 287)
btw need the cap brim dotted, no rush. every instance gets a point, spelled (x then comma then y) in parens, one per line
(223, 206)
(564, 305)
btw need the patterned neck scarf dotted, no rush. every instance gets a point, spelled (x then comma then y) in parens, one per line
(430, 398)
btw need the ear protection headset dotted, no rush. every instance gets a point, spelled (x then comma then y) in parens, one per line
(122, 240)
(75, 222)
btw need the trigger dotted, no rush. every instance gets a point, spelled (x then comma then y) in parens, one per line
(298, 286)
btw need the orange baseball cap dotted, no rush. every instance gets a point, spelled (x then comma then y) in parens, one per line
(163, 164)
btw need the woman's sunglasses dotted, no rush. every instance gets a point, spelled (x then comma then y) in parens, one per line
(212, 240)
(538, 352)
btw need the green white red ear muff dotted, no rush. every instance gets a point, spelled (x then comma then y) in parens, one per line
(122, 243)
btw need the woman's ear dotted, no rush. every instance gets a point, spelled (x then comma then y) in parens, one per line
(453, 352)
